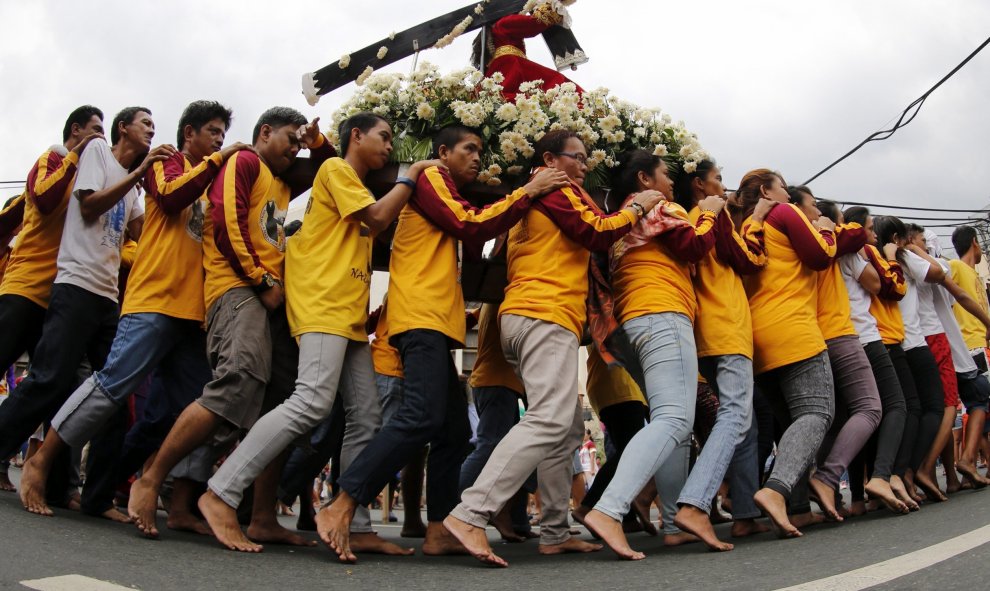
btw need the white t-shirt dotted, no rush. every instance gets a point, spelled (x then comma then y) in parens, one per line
(915, 269)
(89, 255)
(851, 266)
(930, 323)
(943, 301)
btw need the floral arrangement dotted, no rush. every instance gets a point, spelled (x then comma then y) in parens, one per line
(422, 103)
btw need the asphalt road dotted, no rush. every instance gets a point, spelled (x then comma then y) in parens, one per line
(33, 547)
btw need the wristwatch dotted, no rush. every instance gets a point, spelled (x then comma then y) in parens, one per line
(268, 281)
(640, 210)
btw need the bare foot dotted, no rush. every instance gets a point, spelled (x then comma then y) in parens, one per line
(142, 506)
(679, 539)
(5, 484)
(33, 490)
(570, 546)
(370, 543)
(503, 523)
(579, 514)
(810, 518)
(775, 506)
(474, 540)
(333, 523)
(900, 491)
(825, 495)
(114, 515)
(911, 489)
(642, 509)
(274, 533)
(742, 528)
(223, 521)
(440, 542)
(879, 489)
(968, 471)
(186, 521)
(694, 520)
(932, 492)
(610, 531)
(857, 508)
(965, 485)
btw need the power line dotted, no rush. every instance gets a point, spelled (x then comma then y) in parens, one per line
(904, 118)
(905, 207)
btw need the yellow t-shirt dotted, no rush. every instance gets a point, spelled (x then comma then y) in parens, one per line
(490, 366)
(974, 333)
(328, 262)
(609, 385)
(384, 356)
(167, 276)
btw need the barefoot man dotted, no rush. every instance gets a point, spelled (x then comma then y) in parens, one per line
(328, 285)
(425, 320)
(249, 346)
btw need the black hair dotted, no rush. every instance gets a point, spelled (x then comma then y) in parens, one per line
(683, 191)
(278, 117)
(363, 122)
(125, 116)
(625, 175)
(886, 226)
(450, 136)
(7, 203)
(914, 229)
(962, 239)
(857, 215)
(553, 142)
(829, 209)
(80, 116)
(292, 227)
(198, 114)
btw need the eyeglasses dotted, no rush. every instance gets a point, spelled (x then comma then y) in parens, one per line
(582, 158)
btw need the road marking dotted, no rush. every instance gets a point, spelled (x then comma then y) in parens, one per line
(72, 583)
(888, 570)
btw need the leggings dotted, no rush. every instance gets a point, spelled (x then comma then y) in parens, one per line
(912, 421)
(888, 436)
(622, 420)
(931, 396)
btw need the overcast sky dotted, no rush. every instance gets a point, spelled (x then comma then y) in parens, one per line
(783, 84)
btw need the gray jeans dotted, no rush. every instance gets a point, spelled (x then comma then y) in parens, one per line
(325, 362)
(806, 389)
(667, 353)
(545, 355)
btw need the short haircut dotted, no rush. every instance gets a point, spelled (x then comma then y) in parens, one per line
(856, 214)
(625, 176)
(962, 239)
(363, 122)
(125, 116)
(553, 142)
(80, 116)
(887, 226)
(683, 191)
(829, 209)
(277, 117)
(450, 136)
(914, 229)
(198, 114)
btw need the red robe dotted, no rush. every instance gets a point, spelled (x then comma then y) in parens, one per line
(508, 34)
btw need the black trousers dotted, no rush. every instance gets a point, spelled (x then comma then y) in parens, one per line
(912, 421)
(433, 411)
(622, 421)
(21, 320)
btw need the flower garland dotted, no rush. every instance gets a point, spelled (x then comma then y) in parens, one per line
(422, 103)
(462, 26)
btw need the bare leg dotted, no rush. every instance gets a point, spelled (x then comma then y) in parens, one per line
(775, 506)
(191, 430)
(826, 498)
(223, 521)
(474, 540)
(577, 489)
(35, 474)
(923, 475)
(333, 523)
(412, 497)
(695, 521)
(5, 484)
(264, 526)
(910, 486)
(180, 516)
(967, 460)
(948, 457)
(610, 530)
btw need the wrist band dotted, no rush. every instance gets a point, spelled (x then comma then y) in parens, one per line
(404, 180)
(640, 210)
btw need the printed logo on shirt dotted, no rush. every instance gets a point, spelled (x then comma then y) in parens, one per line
(362, 276)
(272, 220)
(194, 225)
(113, 225)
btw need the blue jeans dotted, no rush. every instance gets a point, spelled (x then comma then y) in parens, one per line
(667, 353)
(389, 395)
(731, 376)
(144, 342)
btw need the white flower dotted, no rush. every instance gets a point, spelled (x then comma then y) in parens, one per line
(494, 181)
(515, 170)
(507, 112)
(391, 37)
(690, 167)
(345, 60)
(483, 176)
(660, 150)
(685, 151)
(382, 52)
(609, 123)
(494, 170)
(425, 111)
(639, 132)
(530, 86)
(364, 75)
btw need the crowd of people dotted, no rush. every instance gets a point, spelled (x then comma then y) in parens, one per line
(197, 350)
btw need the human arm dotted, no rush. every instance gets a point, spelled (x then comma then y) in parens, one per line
(688, 242)
(746, 253)
(383, 212)
(300, 176)
(174, 188)
(849, 238)
(893, 285)
(589, 227)
(134, 228)
(814, 246)
(934, 273)
(967, 302)
(95, 202)
(11, 218)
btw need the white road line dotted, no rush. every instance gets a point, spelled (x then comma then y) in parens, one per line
(888, 570)
(72, 583)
